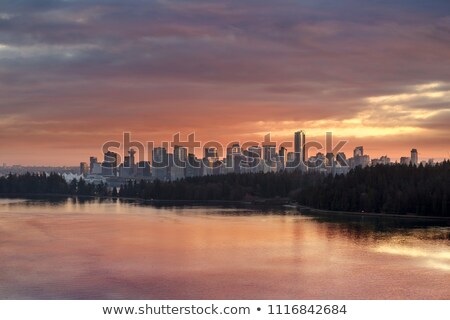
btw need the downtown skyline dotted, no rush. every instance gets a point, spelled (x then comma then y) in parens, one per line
(75, 74)
(178, 159)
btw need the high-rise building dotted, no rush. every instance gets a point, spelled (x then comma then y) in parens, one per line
(341, 159)
(233, 158)
(299, 147)
(211, 153)
(178, 167)
(414, 157)
(132, 153)
(329, 159)
(282, 157)
(269, 152)
(92, 162)
(143, 169)
(109, 165)
(385, 160)
(84, 170)
(359, 158)
(358, 151)
(193, 166)
(160, 163)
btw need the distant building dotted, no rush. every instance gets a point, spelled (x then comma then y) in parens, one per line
(341, 159)
(252, 161)
(384, 160)
(282, 158)
(193, 166)
(359, 158)
(92, 162)
(160, 164)
(143, 169)
(405, 160)
(84, 170)
(329, 159)
(178, 167)
(128, 168)
(109, 165)
(299, 147)
(211, 154)
(96, 168)
(358, 151)
(414, 157)
(316, 162)
(269, 152)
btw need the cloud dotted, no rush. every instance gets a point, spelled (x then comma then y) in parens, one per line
(158, 66)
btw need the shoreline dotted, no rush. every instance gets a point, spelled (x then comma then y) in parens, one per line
(270, 203)
(306, 209)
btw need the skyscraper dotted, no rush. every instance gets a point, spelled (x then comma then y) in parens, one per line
(414, 157)
(178, 167)
(92, 163)
(84, 168)
(282, 157)
(358, 151)
(299, 147)
(109, 165)
(160, 163)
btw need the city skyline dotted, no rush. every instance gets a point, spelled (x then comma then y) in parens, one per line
(177, 160)
(75, 74)
(298, 146)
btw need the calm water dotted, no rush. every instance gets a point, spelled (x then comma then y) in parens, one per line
(68, 249)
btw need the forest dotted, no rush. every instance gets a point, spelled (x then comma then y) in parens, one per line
(48, 184)
(391, 189)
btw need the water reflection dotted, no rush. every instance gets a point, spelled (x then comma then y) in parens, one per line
(108, 249)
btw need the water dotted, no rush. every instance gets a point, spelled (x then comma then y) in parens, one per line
(68, 249)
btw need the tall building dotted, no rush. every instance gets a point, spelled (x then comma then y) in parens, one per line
(269, 153)
(193, 166)
(253, 159)
(414, 157)
(299, 147)
(92, 162)
(178, 167)
(359, 158)
(160, 163)
(282, 156)
(341, 159)
(132, 160)
(84, 170)
(329, 159)
(385, 160)
(233, 158)
(143, 169)
(358, 151)
(109, 165)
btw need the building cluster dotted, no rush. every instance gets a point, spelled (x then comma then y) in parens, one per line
(179, 164)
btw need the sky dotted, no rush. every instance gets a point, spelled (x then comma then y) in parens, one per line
(77, 73)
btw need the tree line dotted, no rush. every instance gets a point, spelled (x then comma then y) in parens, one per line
(52, 184)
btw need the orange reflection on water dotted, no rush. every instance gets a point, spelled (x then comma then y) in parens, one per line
(114, 250)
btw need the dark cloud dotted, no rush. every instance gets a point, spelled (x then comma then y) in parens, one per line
(193, 64)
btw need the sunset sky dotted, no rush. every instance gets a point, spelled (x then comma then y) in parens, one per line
(77, 73)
